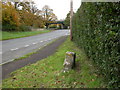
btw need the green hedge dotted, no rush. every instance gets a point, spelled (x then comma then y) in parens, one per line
(9, 27)
(96, 29)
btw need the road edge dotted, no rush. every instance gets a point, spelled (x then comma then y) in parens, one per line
(41, 54)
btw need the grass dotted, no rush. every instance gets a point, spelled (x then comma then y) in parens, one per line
(25, 56)
(13, 35)
(47, 73)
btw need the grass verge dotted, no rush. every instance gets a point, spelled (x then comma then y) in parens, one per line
(47, 73)
(13, 35)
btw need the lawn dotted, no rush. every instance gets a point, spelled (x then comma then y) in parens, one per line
(47, 73)
(13, 35)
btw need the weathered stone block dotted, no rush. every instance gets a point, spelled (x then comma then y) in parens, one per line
(69, 62)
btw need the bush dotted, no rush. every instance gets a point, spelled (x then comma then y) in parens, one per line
(8, 27)
(23, 28)
(96, 29)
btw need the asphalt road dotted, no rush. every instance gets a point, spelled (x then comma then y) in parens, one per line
(16, 48)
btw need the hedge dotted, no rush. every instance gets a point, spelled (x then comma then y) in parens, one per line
(96, 30)
(9, 27)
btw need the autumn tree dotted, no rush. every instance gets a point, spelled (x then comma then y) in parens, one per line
(10, 17)
(30, 15)
(48, 15)
(21, 16)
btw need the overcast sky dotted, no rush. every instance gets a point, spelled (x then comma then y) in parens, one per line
(60, 7)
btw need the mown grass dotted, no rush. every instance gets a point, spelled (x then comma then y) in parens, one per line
(13, 35)
(47, 73)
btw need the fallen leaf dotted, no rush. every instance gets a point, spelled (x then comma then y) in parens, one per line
(58, 81)
(35, 74)
(14, 78)
(75, 83)
(82, 83)
(34, 86)
(92, 80)
(52, 84)
(95, 75)
(63, 76)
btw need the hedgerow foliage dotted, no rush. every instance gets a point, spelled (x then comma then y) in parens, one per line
(96, 29)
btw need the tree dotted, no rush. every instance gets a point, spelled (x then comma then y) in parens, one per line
(18, 16)
(67, 20)
(30, 15)
(10, 17)
(33, 8)
(29, 7)
(48, 15)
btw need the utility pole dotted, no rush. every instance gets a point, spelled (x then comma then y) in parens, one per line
(71, 15)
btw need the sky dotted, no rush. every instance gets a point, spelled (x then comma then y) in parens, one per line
(60, 7)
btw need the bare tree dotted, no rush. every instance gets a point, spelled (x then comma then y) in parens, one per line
(48, 15)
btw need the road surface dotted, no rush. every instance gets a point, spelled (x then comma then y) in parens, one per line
(16, 48)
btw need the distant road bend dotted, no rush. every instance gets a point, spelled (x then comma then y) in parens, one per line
(16, 48)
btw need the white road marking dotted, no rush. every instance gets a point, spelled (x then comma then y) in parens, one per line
(7, 62)
(0, 52)
(34, 43)
(41, 41)
(27, 45)
(14, 49)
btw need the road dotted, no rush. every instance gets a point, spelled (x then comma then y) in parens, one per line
(16, 48)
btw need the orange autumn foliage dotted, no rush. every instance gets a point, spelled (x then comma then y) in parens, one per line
(10, 15)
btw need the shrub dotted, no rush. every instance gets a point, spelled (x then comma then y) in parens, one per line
(8, 27)
(24, 28)
(96, 29)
